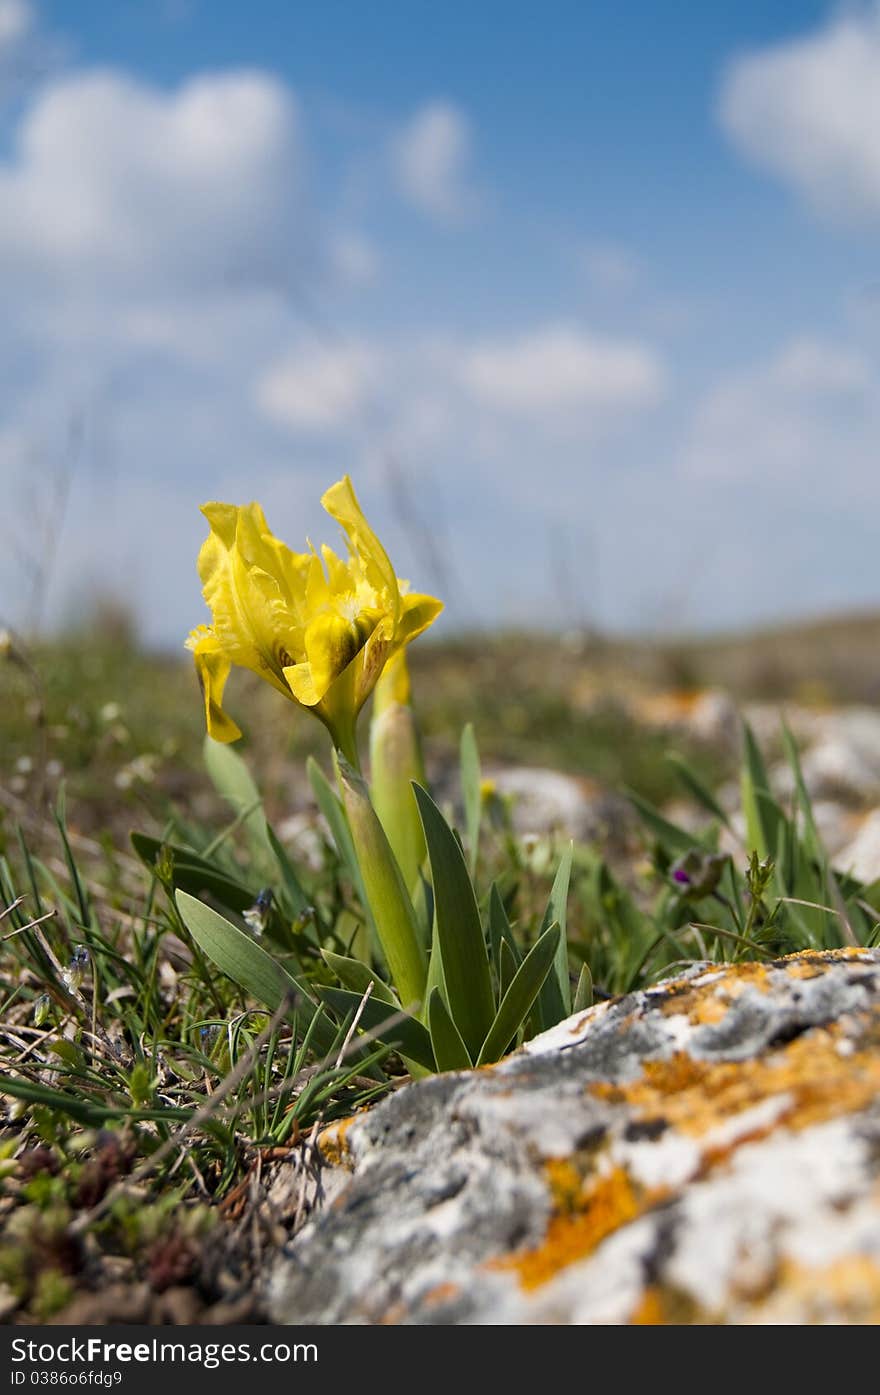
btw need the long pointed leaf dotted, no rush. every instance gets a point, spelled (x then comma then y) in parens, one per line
(463, 948)
(357, 976)
(583, 997)
(450, 1052)
(695, 787)
(471, 793)
(403, 1032)
(232, 779)
(499, 926)
(332, 808)
(762, 813)
(555, 999)
(518, 999)
(668, 834)
(299, 902)
(386, 894)
(248, 964)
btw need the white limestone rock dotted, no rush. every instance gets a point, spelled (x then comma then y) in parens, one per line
(705, 1150)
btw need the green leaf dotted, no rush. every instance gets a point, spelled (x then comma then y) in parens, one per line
(298, 901)
(500, 931)
(85, 910)
(471, 779)
(583, 997)
(423, 900)
(354, 974)
(385, 891)
(669, 835)
(810, 838)
(188, 871)
(463, 948)
(435, 977)
(403, 1032)
(247, 963)
(450, 1052)
(695, 787)
(555, 1000)
(94, 1112)
(517, 1001)
(232, 779)
(762, 813)
(330, 805)
(508, 964)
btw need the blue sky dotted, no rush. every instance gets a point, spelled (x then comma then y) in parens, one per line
(586, 298)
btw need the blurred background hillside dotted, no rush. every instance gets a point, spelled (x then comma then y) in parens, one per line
(588, 310)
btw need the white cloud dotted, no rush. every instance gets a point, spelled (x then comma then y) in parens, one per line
(431, 160)
(114, 180)
(319, 391)
(809, 111)
(561, 368)
(808, 413)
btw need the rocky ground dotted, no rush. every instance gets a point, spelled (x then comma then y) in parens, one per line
(704, 1151)
(840, 755)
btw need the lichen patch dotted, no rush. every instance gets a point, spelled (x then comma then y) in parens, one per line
(588, 1210)
(697, 1096)
(333, 1143)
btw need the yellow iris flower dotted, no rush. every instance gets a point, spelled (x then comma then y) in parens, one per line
(318, 628)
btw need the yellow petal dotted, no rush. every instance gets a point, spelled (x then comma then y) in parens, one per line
(212, 667)
(341, 503)
(301, 684)
(251, 608)
(332, 642)
(417, 612)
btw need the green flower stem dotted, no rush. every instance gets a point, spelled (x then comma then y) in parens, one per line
(344, 736)
(385, 889)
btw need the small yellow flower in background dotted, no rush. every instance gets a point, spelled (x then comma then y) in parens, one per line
(320, 629)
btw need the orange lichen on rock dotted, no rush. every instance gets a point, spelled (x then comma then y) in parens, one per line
(662, 1304)
(651, 1311)
(695, 1096)
(709, 1002)
(804, 968)
(846, 1290)
(605, 1203)
(332, 1143)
